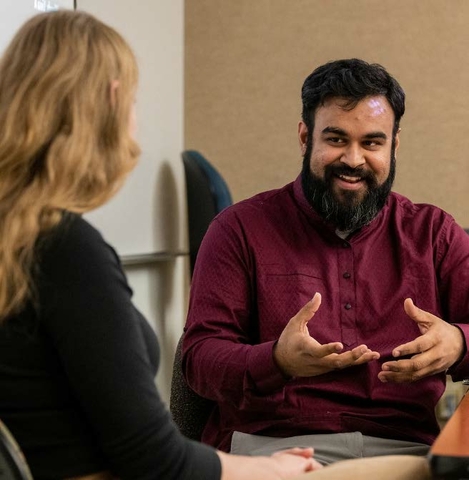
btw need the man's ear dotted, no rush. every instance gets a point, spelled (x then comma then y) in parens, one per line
(397, 141)
(114, 85)
(302, 136)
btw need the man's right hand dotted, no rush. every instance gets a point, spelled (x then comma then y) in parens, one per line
(297, 354)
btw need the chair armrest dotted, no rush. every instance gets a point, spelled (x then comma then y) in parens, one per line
(449, 455)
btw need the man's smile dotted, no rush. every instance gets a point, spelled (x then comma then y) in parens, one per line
(348, 182)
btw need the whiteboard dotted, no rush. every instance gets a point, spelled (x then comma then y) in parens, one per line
(148, 215)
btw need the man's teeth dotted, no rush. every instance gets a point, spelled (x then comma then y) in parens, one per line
(349, 179)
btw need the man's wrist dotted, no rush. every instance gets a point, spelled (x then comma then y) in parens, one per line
(278, 360)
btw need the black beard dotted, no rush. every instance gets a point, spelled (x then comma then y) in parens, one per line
(347, 214)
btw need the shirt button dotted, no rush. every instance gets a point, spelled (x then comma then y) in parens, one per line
(346, 275)
(345, 245)
(347, 306)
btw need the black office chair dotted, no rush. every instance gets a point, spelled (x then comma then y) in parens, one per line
(207, 195)
(13, 465)
(190, 411)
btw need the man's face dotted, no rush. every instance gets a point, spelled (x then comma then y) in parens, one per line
(349, 163)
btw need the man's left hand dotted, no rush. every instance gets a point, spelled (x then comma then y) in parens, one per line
(439, 347)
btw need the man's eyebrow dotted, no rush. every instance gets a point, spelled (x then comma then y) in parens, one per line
(376, 135)
(336, 130)
(343, 133)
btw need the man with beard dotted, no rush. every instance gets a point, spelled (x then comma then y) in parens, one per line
(328, 312)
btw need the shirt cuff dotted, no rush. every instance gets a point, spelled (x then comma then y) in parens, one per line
(262, 369)
(460, 370)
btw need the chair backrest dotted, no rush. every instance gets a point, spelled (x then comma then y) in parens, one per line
(13, 465)
(207, 195)
(190, 411)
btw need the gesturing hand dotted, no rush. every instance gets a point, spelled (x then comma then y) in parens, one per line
(438, 348)
(297, 354)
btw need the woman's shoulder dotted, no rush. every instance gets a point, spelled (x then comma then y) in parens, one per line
(75, 245)
(72, 228)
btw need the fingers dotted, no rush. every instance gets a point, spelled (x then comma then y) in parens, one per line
(307, 312)
(411, 310)
(308, 463)
(363, 354)
(425, 322)
(431, 327)
(295, 340)
(315, 465)
(298, 354)
(419, 345)
(357, 356)
(306, 452)
(405, 371)
(423, 319)
(320, 351)
(301, 320)
(431, 353)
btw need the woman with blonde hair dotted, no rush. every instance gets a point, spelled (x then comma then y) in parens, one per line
(77, 360)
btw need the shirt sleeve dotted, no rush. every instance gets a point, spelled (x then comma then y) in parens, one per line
(222, 357)
(453, 274)
(87, 311)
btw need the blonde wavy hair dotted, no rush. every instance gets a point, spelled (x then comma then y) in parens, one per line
(65, 143)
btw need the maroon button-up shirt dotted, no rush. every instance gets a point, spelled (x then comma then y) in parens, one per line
(264, 258)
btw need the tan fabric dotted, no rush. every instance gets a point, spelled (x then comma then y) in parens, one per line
(388, 467)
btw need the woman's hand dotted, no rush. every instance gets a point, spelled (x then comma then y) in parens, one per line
(280, 466)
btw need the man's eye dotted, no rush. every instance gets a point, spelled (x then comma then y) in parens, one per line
(372, 143)
(335, 140)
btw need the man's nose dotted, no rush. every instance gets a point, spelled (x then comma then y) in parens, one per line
(353, 156)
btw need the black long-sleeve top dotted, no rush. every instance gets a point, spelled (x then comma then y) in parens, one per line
(77, 370)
